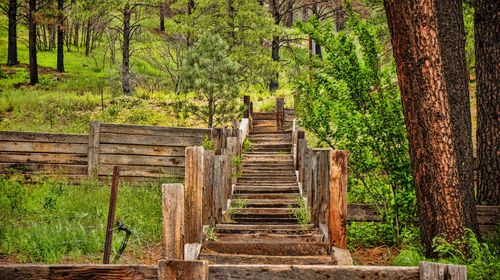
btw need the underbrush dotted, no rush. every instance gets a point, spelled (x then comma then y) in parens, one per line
(57, 221)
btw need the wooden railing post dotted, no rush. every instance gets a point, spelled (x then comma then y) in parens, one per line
(173, 221)
(246, 103)
(280, 113)
(93, 149)
(337, 206)
(321, 202)
(217, 135)
(182, 270)
(208, 191)
(300, 136)
(218, 187)
(194, 195)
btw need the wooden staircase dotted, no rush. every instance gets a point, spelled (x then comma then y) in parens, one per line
(260, 226)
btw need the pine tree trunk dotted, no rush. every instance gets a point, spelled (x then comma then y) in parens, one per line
(339, 16)
(274, 83)
(428, 39)
(77, 35)
(191, 6)
(487, 40)
(163, 9)
(60, 36)
(12, 52)
(32, 42)
(126, 51)
(87, 38)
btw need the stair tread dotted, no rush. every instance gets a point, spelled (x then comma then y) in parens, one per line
(272, 248)
(259, 259)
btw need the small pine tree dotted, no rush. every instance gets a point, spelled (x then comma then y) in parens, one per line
(212, 75)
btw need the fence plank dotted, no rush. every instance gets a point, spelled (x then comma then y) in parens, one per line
(112, 138)
(146, 150)
(43, 137)
(337, 212)
(173, 221)
(14, 157)
(438, 271)
(280, 113)
(154, 130)
(142, 160)
(182, 270)
(43, 168)
(40, 147)
(194, 194)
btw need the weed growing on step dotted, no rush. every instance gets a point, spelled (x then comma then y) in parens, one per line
(247, 145)
(210, 233)
(238, 203)
(236, 162)
(208, 144)
(301, 213)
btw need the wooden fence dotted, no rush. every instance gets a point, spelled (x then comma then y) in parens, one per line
(200, 270)
(142, 152)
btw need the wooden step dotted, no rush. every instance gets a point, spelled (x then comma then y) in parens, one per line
(266, 228)
(268, 237)
(277, 260)
(263, 211)
(257, 180)
(267, 196)
(270, 203)
(264, 172)
(267, 248)
(264, 189)
(253, 132)
(315, 272)
(264, 116)
(265, 122)
(242, 219)
(264, 129)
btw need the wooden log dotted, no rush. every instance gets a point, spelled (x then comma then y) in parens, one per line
(42, 168)
(146, 150)
(208, 190)
(153, 140)
(218, 187)
(302, 147)
(316, 272)
(48, 158)
(218, 139)
(111, 215)
(321, 205)
(43, 137)
(93, 152)
(439, 271)
(182, 270)
(337, 210)
(173, 221)
(154, 130)
(246, 104)
(228, 180)
(280, 113)
(194, 195)
(78, 272)
(41, 147)
(143, 171)
(142, 160)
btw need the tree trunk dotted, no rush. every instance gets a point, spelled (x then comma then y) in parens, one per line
(32, 42)
(126, 51)
(211, 111)
(12, 52)
(487, 40)
(162, 16)
(191, 6)
(77, 35)
(231, 14)
(274, 83)
(87, 38)
(60, 36)
(428, 39)
(339, 16)
(289, 13)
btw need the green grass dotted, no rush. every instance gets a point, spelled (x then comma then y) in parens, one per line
(54, 222)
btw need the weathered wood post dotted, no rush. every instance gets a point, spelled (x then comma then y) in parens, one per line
(217, 135)
(439, 271)
(337, 206)
(193, 201)
(300, 136)
(93, 149)
(280, 113)
(301, 154)
(246, 103)
(208, 191)
(321, 202)
(173, 221)
(182, 270)
(218, 187)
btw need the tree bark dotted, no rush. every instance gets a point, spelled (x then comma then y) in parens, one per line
(32, 42)
(191, 5)
(487, 40)
(126, 51)
(275, 49)
(87, 38)
(428, 39)
(339, 16)
(12, 52)
(162, 16)
(60, 36)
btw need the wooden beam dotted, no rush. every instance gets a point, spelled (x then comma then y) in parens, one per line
(208, 185)
(194, 195)
(280, 113)
(173, 221)
(337, 210)
(93, 153)
(246, 104)
(182, 270)
(439, 271)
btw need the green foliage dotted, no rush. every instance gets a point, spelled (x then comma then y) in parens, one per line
(208, 143)
(368, 234)
(54, 221)
(301, 213)
(210, 233)
(348, 102)
(247, 145)
(210, 72)
(238, 203)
